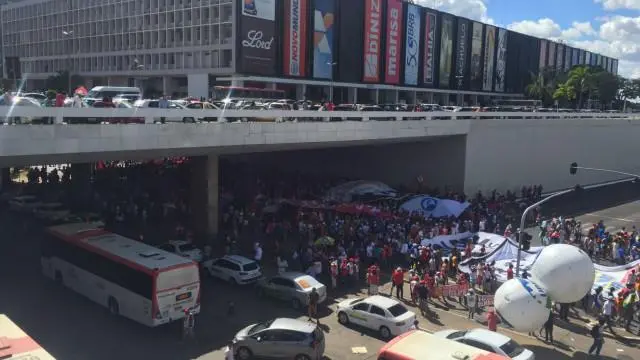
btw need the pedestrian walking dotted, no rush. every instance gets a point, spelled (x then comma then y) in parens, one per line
(492, 320)
(548, 328)
(397, 282)
(598, 338)
(188, 324)
(314, 298)
(607, 313)
(472, 303)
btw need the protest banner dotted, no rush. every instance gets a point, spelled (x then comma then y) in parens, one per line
(455, 290)
(485, 301)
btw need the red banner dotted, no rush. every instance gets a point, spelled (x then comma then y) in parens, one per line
(393, 47)
(455, 290)
(372, 40)
(295, 37)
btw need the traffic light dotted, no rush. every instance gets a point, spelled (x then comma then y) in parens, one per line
(573, 169)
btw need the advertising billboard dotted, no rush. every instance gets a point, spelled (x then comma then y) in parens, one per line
(350, 37)
(501, 60)
(323, 36)
(412, 45)
(476, 56)
(295, 38)
(446, 51)
(393, 42)
(559, 57)
(567, 58)
(430, 25)
(462, 49)
(372, 40)
(256, 31)
(551, 59)
(543, 54)
(489, 57)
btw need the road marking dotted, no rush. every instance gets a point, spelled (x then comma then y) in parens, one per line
(608, 217)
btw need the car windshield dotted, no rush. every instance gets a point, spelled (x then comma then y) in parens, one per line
(355, 301)
(250, 266)
(259, 327)
(456, 335)
(397, 310)
(512, 349)
(187, 247)
(28, 200)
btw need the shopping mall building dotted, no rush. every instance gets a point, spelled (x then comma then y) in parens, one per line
(358, 50)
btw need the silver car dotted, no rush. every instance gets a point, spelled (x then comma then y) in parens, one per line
(281, 338)
(293, 287)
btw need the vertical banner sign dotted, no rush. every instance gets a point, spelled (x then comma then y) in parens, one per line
(429, 48)
(393, 45)
(323, 32)
(551, 59)
(446, 51)
(501, 60)
(476, 56)
(257, 33)
(559, 57)
(489, 57)
(412, 51)
(461, 53)
(372, 40)
(543, 54)
(295, 37)
(567, 58)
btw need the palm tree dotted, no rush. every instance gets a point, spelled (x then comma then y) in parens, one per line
(565, 91)
(540, 88)
(581, 79)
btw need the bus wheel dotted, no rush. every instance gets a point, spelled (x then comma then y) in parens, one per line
(114, 308)
(58, 277)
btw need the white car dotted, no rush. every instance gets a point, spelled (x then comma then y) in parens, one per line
(50, 211)
(387, 316)
(24, 203)
(234, 269)
(489, 341)
(184, 249)
(154, 104)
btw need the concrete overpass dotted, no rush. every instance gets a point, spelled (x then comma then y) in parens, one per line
(465, 151)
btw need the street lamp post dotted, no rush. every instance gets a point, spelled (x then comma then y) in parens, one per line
(69, 34)
(573, 169)
(522, 223)
(332, 64)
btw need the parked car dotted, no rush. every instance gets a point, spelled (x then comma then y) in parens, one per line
(24, 203)
(154, 104)
(489, 341)
(382, 314)
(26, 102)
(203, 106)
(50, 211)
(281, 338)
(293, 287)
(184, 249)
(234, 269)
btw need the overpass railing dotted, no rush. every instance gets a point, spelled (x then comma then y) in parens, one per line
(36, 115)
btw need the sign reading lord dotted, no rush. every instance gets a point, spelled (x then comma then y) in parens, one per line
(429, 48)
(372, 40)
(295, 37)
(412, 52)
(256, 33)
(393, 46)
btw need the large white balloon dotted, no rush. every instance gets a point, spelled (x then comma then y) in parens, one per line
(522, 304)
(565, 271)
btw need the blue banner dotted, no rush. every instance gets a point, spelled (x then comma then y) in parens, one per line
(323, 33)
(412, 50)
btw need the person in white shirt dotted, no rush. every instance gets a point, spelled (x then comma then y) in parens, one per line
(607, 312)
(258, 253)
(77, 101)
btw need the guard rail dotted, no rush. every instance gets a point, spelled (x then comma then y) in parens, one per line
(21, 114)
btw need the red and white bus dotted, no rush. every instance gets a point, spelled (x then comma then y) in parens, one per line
(420, 345)
(16, 344)
(130, 278)
(234, 93)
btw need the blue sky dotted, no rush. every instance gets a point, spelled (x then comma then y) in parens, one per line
(608, 27)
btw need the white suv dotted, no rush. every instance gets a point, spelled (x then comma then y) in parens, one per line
(234, 269)
(184, 249)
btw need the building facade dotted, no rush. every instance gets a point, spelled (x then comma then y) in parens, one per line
(383, 51)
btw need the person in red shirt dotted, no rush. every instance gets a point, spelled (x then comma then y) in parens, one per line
(60, 96)
(373, 278)
(397, 281)
(492, 320)
(510, 272)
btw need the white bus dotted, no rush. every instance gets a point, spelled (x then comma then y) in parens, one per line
(130, 278)
(16, 344)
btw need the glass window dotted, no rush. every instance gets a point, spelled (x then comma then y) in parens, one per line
(479, 345)
(512, 349)
(397, 310)
(377, 311)
(361, 307)
(250, 266)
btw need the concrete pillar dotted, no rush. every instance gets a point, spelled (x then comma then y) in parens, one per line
(301, 92)
(474, 100)
(352, 94)
(204, 194)
(198, 85)
(376, 96)
(396, 96)
(5, 178)
(165, 85)
(459, 99)
(272, 86)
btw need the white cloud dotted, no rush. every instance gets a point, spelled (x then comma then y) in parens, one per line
(472, 9)
(543, 28)
(620, 4)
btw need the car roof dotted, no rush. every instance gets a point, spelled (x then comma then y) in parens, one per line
(292, 275)
(238, 259)
(381, 301)
(178, 242)
(293, 324)
(487, 337)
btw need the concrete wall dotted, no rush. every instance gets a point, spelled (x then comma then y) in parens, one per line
(439, 161)
(505, 154)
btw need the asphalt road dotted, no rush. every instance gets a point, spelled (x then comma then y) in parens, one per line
(71, 327)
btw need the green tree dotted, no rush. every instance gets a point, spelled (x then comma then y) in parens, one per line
(581, 79)
(629, 90)
(565, 93)
(607, 86)
(60, 81)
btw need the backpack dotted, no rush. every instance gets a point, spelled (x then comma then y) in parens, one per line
(594, 331)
